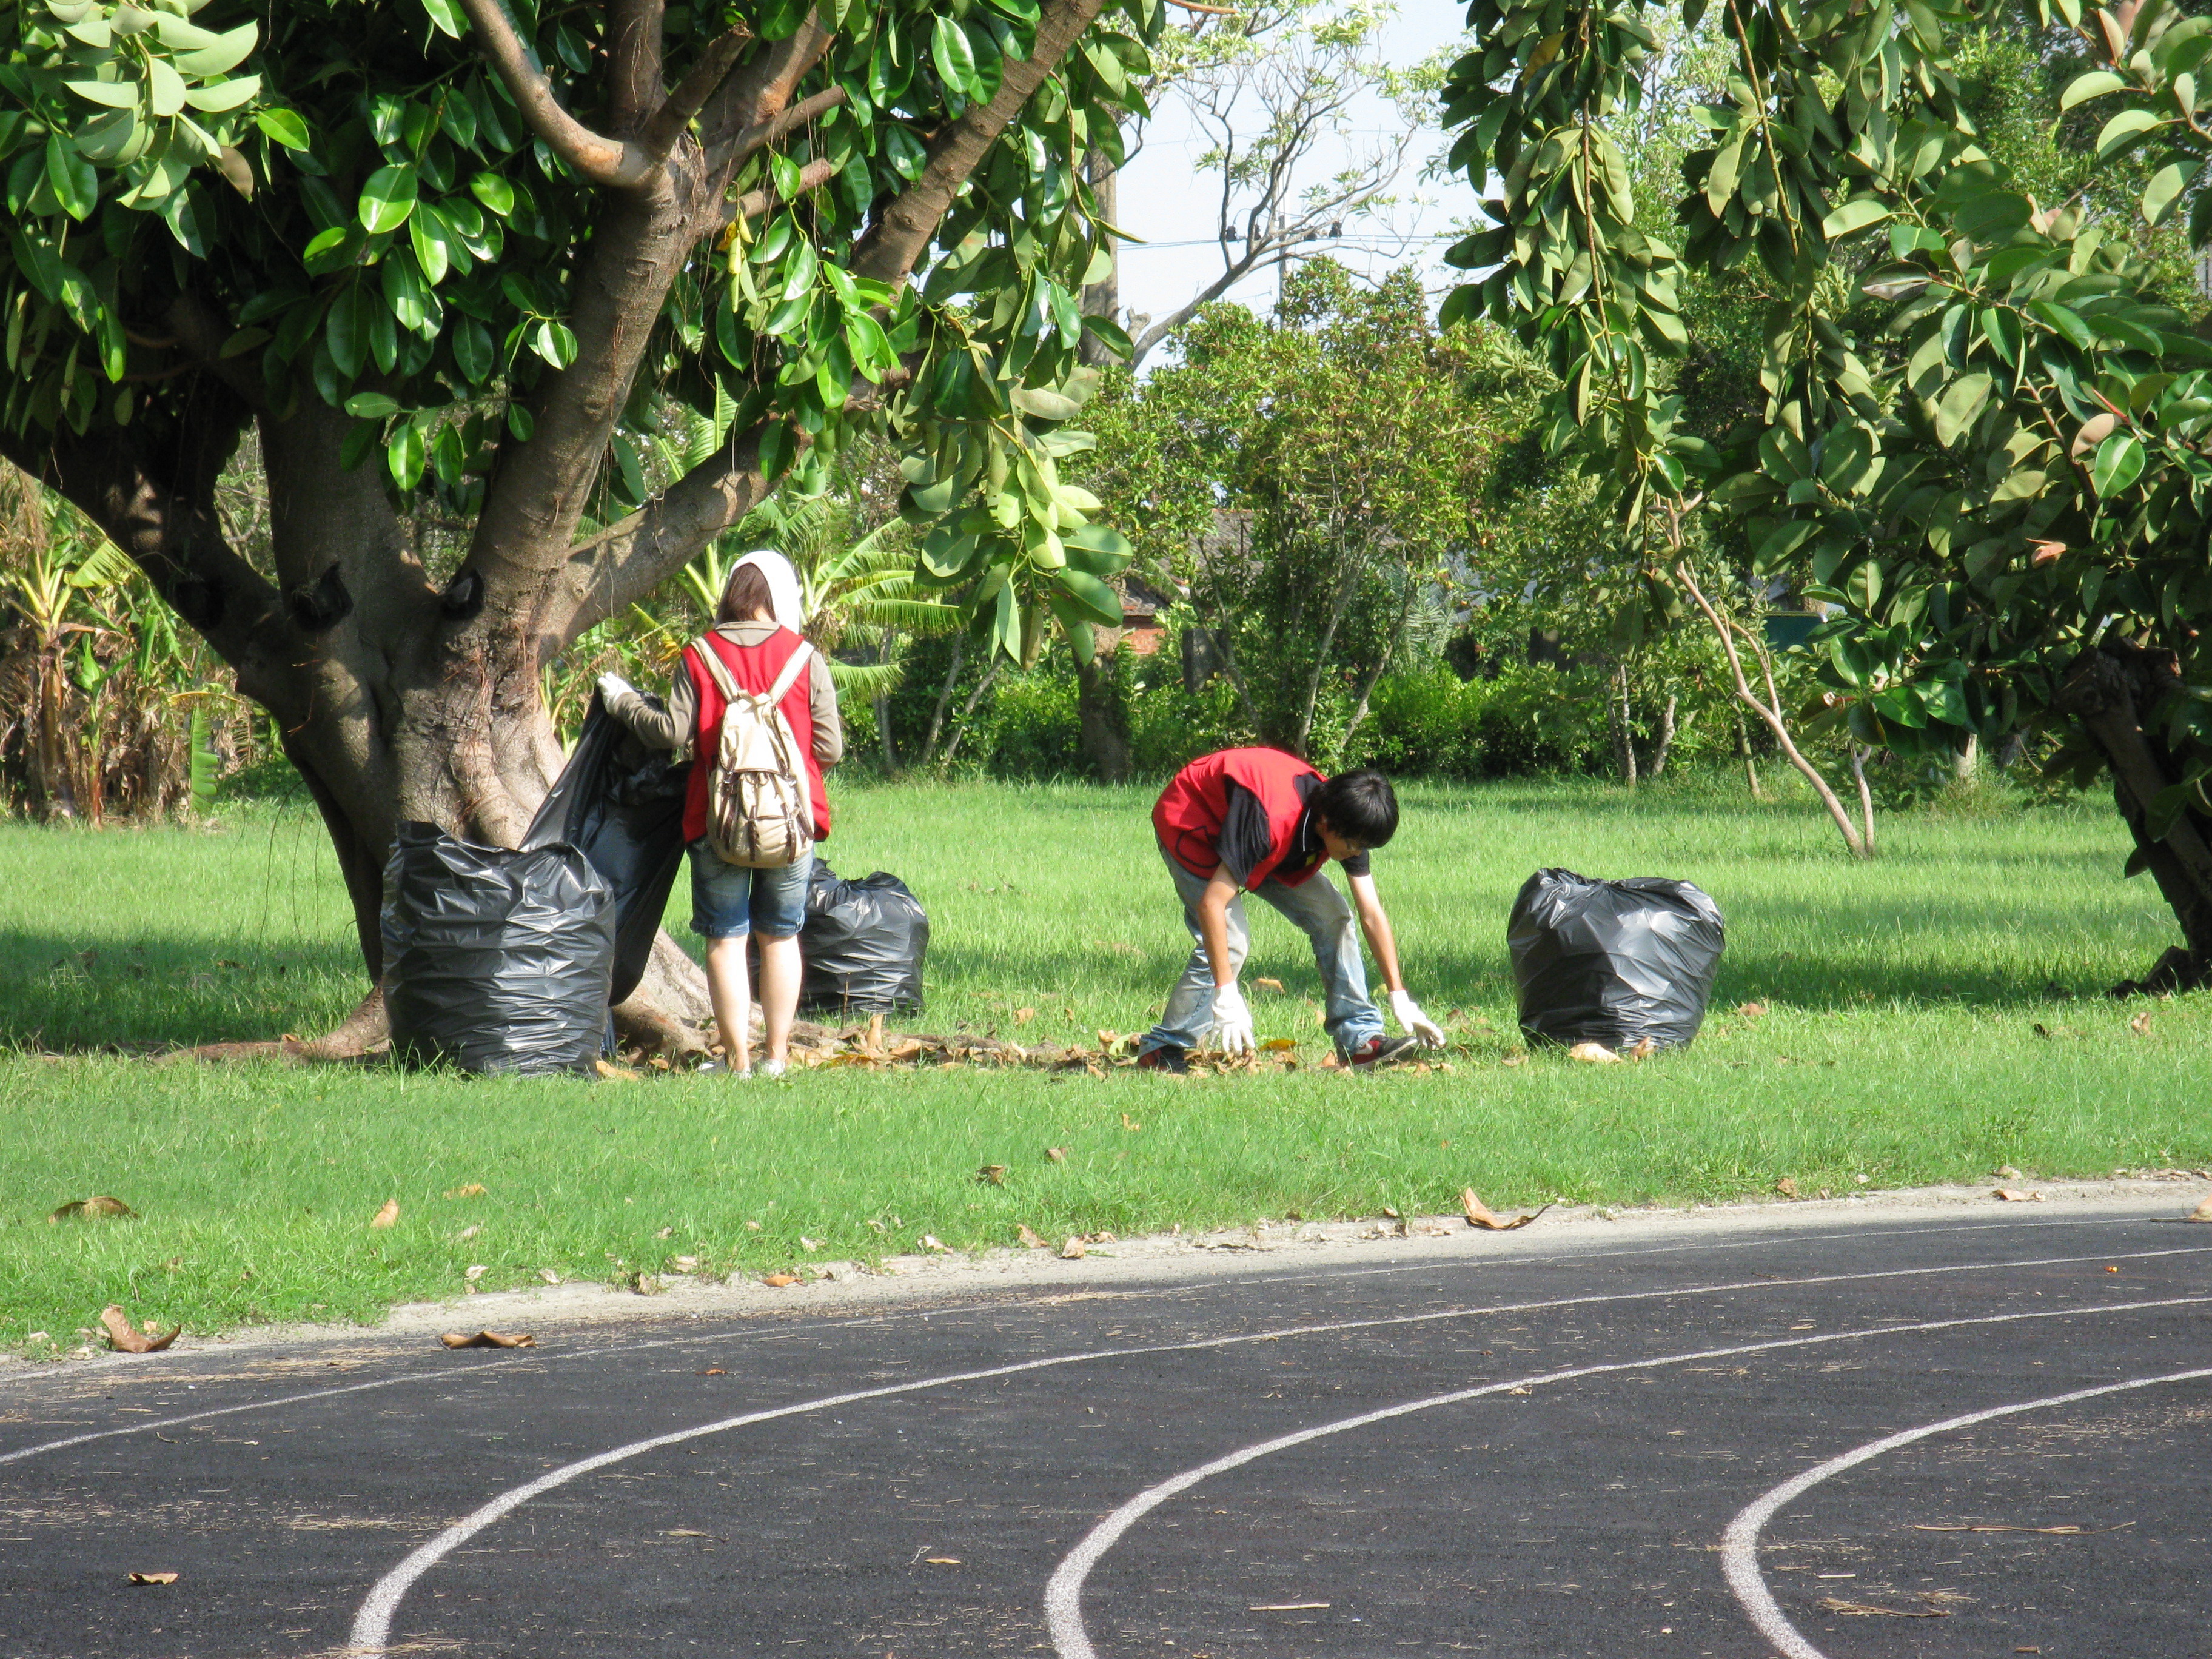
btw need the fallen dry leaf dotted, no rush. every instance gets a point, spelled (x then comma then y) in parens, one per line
(1030, 1240)
(806, 1243)
(1751, 1010)
(1867, 1610)
(88, 1209)
(711, 1370)
(992, 1174)
(2203, 1212)
(549, 1275)
(1277, 1046)
(386, 1216)
(124, 1340)
(779, 1281)
(1479, 1214)
(941, 1560)
(2013, 1195)
(469, 1232)
(1274, 985)
(2056, 1532)
(1645, 1049)
(1073, 1250)
(615, 1073)
(475, 1271)
(1056, 1154)
(1787, 1186)
(1510, 1060)
(488, 1340)
(1130, 1123)
(1594, 1054)
(152, 1578)
(1023, 1016)
(931, 1241)
(2141, 1023)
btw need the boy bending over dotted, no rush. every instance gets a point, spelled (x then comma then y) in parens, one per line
(1262, 822)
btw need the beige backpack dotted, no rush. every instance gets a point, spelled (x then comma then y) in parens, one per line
(760, 808)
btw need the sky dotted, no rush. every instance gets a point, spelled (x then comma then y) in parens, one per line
(1165, 202)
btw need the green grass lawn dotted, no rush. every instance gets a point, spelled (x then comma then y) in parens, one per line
(1900, 1045)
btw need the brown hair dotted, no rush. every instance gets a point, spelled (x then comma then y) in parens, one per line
(746, 598)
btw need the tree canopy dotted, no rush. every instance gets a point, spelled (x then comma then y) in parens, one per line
(2000, 486)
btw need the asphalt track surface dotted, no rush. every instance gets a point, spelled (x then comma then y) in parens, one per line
(1770, 1442)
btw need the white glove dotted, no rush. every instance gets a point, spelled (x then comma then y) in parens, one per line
(614, 686)
(1413, 1023)
(1232, 1020)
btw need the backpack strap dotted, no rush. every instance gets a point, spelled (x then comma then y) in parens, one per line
(794, 666)
(717, 670)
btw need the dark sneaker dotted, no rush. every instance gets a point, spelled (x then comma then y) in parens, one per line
(1379, 1051)
(1165, 1058)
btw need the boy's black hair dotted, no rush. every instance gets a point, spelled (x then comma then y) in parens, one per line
(1360, 805)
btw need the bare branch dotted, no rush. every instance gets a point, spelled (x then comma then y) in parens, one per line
(754, 203)
(888, 251)
(629, 559)
(733, 153)
(613, 162)
(673, 119)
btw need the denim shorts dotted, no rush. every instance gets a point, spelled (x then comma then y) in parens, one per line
(729, 901)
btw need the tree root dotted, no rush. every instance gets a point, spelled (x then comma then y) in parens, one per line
(2178, 971)
(364, 1031)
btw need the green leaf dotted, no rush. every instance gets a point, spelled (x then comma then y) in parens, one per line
(165, 88)
(2122, 132)
(388, 198)
(1854, 216)
(1045, 405)
(495, 193)
(284, 126)
(1960, 407)
(77, 188)
(1097, 601)
(2119, 463)
(2095, 84)
(224, 53)
(2165, 189)
(448, 16)
(403, 455)
(954, 58)
(371, 405)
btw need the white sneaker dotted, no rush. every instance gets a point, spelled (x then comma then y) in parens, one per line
(773, 1067)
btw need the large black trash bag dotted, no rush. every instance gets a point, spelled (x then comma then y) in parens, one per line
(1613, 961)
(495, 961)
(621, 804)
(862, 945)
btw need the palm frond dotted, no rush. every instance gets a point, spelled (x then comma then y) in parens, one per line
(867, 679)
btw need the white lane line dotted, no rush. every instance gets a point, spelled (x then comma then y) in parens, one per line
(1739, 1544)
(373, 1623)
(785, 1333)
(1063, 1594)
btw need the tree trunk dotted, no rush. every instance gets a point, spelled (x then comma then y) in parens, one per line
(2115, 693)
(1099, 719)
(1743, 752)
(1103, 297)
(1658, 763)
(1617, 716)
(1968, 760)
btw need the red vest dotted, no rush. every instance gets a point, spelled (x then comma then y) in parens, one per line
(1191, 810)
(754, 667)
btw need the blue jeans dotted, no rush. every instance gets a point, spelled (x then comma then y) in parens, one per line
(1321, 912)
(729, 901)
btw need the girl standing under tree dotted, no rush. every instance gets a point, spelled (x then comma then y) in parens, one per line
(756, 631)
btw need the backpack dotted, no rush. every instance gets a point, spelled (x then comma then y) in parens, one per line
(760, 810)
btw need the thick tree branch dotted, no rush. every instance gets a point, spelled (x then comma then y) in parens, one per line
(618, 164)
(890, 247)
(673, 119)
(628, 560)
(633, 61)
(200, 331)
(764, 89)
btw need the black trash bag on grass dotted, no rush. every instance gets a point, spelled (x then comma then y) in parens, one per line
(621, 804)
(1613, 961)
(495, 960)
(862, 945)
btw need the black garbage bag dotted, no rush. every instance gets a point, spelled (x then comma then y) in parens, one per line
(1613, 961)
(495, 961)
(621, 804)
(863, 945)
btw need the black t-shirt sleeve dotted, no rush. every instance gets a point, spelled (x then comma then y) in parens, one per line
(1245, 840)
(1356, 865)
